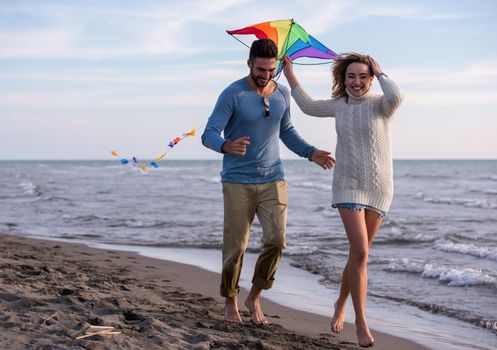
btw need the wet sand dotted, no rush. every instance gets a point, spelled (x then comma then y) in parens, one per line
(53, 292)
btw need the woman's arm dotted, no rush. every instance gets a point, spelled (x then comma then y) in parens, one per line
(392, 94)
(288, 71)
(315, 108)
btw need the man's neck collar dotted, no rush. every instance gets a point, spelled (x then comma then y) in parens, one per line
(263, 91)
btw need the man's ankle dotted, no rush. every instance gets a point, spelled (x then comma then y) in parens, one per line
(230, 300)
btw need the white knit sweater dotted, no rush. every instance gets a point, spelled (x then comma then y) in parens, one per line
(363, 171)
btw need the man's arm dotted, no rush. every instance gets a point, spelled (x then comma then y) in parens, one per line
(294, 142)
(219, 118)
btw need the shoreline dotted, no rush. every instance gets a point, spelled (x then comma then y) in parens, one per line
(152, 302)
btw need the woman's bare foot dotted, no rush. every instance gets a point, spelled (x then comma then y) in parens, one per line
(231, 312)
(338, 319)
(364, 337)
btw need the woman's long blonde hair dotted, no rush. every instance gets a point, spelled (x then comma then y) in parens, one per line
(339, 70)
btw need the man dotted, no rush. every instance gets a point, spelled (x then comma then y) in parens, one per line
(254, 113)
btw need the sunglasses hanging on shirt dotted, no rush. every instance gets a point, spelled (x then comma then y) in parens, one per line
(265, 99)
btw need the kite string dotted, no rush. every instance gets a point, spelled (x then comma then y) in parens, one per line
(313, 64)
(240, 41)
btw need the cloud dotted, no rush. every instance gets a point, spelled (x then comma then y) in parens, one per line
(175, 100)
(76, 31)
(474, 74)
(472, 85)
(184, 74)
(104, 98)
(333, 14)
(160, 28)
(441, 98)
(35, 43)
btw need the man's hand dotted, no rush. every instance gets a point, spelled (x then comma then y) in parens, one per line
(323, 159)
(237, 147)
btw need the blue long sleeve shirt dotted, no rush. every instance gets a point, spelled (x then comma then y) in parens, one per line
(239, 111)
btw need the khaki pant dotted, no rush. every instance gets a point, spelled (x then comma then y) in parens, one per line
(241, 202)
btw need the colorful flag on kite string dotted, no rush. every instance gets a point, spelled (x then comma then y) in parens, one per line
(292, 40)
(144, 168)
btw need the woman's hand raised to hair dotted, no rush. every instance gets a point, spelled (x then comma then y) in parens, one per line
(374, 66)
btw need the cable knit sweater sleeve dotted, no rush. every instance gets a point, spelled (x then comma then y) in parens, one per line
(315, 108)
(389, 102)
(392, 96)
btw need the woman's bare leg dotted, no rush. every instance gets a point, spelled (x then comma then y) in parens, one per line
(356, 225)
(373, 223)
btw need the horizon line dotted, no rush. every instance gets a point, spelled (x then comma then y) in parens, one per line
(201, 159)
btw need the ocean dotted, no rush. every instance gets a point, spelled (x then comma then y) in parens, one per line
(436, 252)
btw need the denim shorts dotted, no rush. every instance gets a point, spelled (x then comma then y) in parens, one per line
(356, 206)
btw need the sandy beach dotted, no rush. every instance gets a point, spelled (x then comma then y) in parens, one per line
(56, 295)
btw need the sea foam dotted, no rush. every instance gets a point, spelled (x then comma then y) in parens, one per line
(452, 276)
(446, 245)
(467, 202)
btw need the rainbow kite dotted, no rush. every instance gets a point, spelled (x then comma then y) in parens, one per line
(292, 40)
(144, 168)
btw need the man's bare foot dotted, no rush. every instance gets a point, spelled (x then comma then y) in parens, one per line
(256, 314)
(231, 312)
(364, 337)
(338, 319)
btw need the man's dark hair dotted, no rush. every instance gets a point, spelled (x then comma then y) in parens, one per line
(264, 48)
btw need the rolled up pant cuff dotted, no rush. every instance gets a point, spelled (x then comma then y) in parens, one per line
(262, 283)
(229, 293)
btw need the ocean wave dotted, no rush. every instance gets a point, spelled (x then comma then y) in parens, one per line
(56, 199)
(211, 179)
(405, 238)
(446, 245)
(301, 249)
(451, 276)
(454, 277)
(424, 176)
(136, 223)
(484, 191)
(35, 191)
(172, 244)
(91, 235)
(30, 189)
(405, 265)
(491, 177)
(127, 223)
(311, 265)
(462, 315)
(313, 185)
(82, 218)
(467, 202)
(395, 233)
(321, 208)
(8, 227)
(154, 242)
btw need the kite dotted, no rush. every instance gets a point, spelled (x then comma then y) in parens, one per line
(144, 168)
(292, 40)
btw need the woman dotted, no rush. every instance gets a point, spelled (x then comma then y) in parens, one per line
(362, 181)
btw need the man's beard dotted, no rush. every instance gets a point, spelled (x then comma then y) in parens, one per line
(256, 80)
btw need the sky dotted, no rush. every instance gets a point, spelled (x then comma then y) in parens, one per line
(81, 78)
